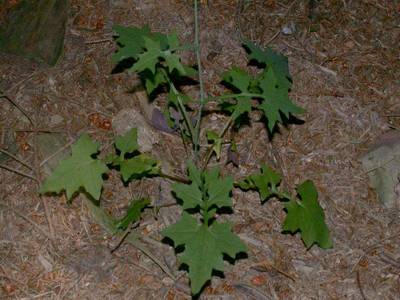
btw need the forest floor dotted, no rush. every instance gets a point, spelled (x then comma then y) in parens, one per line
(345, 61)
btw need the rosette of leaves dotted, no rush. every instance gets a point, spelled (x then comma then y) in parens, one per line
(205, 240)
(154, 55)
(269, 89)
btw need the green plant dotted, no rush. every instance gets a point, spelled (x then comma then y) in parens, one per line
(204, 195)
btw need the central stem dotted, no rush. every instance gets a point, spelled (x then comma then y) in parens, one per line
(196, 138)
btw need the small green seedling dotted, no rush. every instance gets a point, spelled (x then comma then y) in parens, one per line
(201, 237)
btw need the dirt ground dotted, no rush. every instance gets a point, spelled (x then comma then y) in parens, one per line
(345, 60)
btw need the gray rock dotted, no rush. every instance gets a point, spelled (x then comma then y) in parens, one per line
(127, 119)
(382, 163)
(34, 29)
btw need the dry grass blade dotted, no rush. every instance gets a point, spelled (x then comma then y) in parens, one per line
(16, 159)
(18, 172)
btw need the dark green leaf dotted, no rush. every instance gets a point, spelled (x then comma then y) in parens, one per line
(138, 167)
(133, 213)
(265, 182)
(204, 247)
(307, 217)
(130, 41)
(150, 58)
(240, 80)
(276, 99)
(218, 189)
(274, 61)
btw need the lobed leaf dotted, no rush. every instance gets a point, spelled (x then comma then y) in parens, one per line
(127, 143)
(265, 182)
(190, 195)
(130, 41)
(152, 53)
(218, 189)
(271, 88)
(240, 80)
(276, 62)
(153, 81)
(276, 99)
(206, 242)
(139, 166)
(77, 171)
(149, 58)
(204, 247)
(307, 217)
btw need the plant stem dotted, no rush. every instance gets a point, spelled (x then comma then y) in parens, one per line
(181, 107)
(221, 135)
(197, 50)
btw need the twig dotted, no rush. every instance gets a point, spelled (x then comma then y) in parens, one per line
(18, 106)
(124, 235)
(18, 172)
(266, 264)
(273, 38)
(20, 284)
(133, 239)
(252, 288)
(16, 159)
(371, 248)
(29, 77)
(44, 130)
(98, 41)
(174, 178)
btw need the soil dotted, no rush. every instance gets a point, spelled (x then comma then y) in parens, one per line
(345, 61)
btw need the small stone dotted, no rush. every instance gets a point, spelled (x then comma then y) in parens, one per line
(289, 28)
(382, 164)
(56, 120)
(127, 119)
